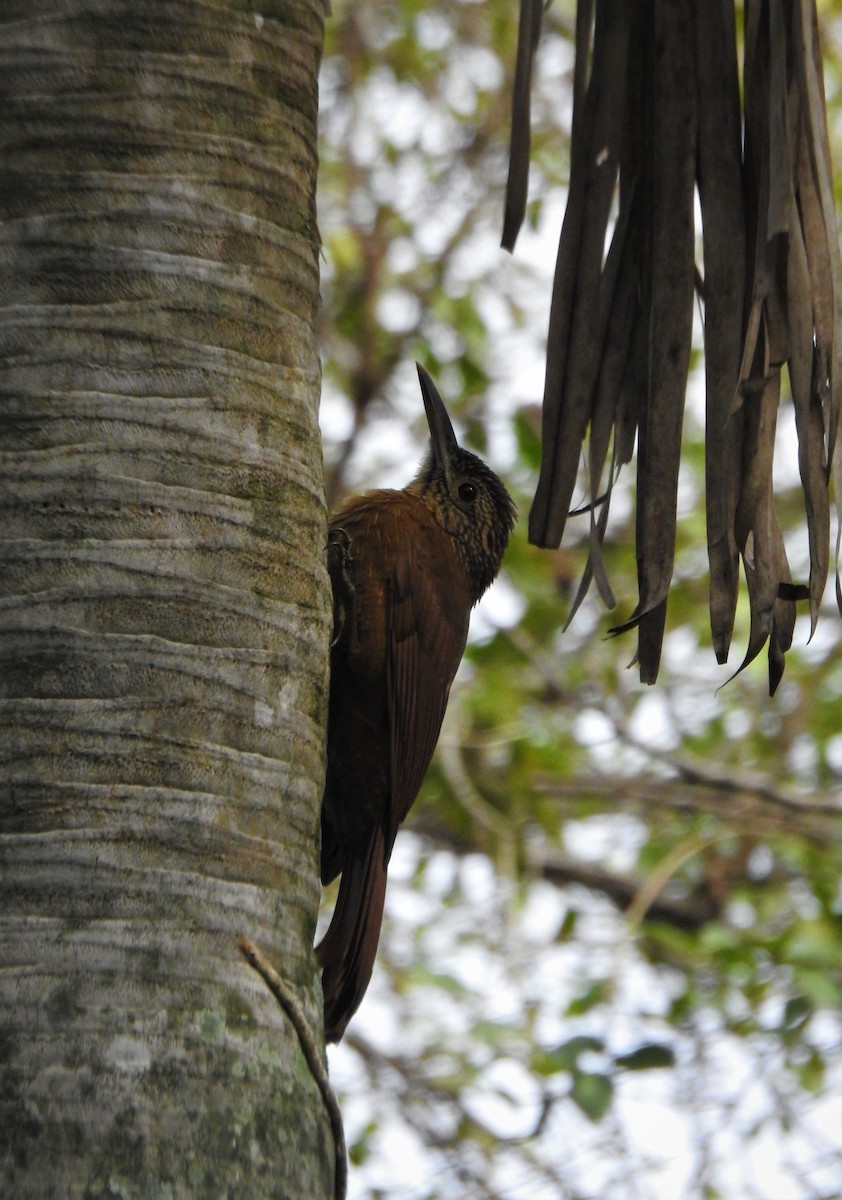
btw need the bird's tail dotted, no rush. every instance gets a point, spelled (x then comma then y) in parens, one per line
(347, 950)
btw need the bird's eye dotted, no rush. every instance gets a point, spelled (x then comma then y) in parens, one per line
(467, 492)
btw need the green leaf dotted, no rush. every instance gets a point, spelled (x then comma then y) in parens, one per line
(420, 976)
(493, 1032)
(592, 1093)
(717, 937)
(568, 925)
(564, 1058)
(594, 995)
(796, 1012)
(811, 1074)
(528, 441)
(360, 1149)
(819, 987)
(816, 944)
(546, 1063)
(649, 1056)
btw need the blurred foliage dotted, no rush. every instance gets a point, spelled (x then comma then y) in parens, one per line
(612, 958)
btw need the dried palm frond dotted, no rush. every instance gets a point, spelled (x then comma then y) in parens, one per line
(657, 114)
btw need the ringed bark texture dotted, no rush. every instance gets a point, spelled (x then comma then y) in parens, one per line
(163, 599)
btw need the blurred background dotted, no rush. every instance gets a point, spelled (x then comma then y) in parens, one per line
(611, 962)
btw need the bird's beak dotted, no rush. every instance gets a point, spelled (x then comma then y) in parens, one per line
(442, 438)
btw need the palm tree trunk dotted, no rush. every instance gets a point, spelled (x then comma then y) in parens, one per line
(163, 601)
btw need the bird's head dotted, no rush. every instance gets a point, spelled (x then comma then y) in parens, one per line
(465, 495)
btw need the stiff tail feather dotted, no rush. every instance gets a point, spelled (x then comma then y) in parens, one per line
(348, 949)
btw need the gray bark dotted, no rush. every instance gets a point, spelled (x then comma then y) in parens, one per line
(163, 599)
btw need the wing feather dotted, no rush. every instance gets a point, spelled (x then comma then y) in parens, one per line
(427, 610)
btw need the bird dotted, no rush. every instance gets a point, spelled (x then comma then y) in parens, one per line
(406, 568)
